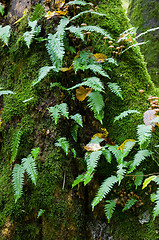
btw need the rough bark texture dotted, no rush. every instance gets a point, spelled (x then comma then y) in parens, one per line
(68, 213)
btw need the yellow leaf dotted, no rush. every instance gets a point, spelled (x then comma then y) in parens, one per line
(148, 180)
(55, 13)
(59, 3)
(66, 69)
(92, 147)
(100, 57)
(126, 38)
(81, 93)
(101, 135)
(123, 146)
(24, 14)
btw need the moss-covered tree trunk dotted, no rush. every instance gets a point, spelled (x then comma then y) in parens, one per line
(68, 213)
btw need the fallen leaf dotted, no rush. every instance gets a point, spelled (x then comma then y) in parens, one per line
(81, 93)
(149, 115)
(92, 147)
(59, 3)
(50, 14)
(100, 57)
(66, 69)
(24, 14)
(123, 146)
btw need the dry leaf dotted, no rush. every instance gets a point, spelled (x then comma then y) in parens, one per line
(59, 3)
(101, 135)
(66, 69)
(50, 14)
(126, 38)
(100, 57)
(81, 93)
(92, 147)
(24, 14)
(123, 145)
(148, 116)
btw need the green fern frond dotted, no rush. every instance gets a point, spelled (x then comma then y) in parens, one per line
(15, 143)
(139, 157)
(117, 153)
(96, 29)
(104, 189)
(81, 63)
(30, 167)
(96, 104)
(156, 208)
(121, 172)
(63, 143)
(138, 179)
(125, 114)
(77, 118)
(114, 87)
(38, 12)
(92, 160)
(76, 31)
(35, 152)
(74, 152)
(92, 82)
(107, 155)
(41, 211)
(97, 69)
(74, 131)
(43, 72)
(109, 209)
(78, 179)
(77, 2)
(144, 135)
(2, 92)
(58, 110)
(129, 204)
(88, 177)
(18, 179)
(5, 33)
(1, 9)
(29, 35)
(61, 28)
(149, 30)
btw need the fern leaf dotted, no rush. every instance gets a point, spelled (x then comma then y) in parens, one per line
(43, 72)
(63, 143)
(96, 29)
(87, 11)
(149, 30)
(28, 36)
(74, 152)
(92, 82)
(15, 144)
(144, 135)
(121, 172)
(129, 204)
(126, 146)
(77, 118)
(78, 179)
(109, 209)
(76, 31)
(92, 160)
(6, 92)
(125, 114)
(58, 110)
(104, 189)
(88, 177)
(107, 155)
(35, 152)
(114, 87)
(77, 2)
(5, 33)
(2, 9)
(74, 131)
(18, 179)
(38, 12)
(41, 211)
(156, 208)
(30, 167)
(139, 157)
(117, 153)
(97, 69)
(96, 104)
(138, 178)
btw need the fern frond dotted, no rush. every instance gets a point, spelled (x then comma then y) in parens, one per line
(149, 30)
(58, 110)
(117, 153)
(77, 2)
(134, 45)
(129, 204)
(125, 114)
(43, 72)
(97, 69)
(63, 143)
(78, 179)
(76, 31)
(35, 152)
(156, 208)
(92, 82)
(121, 172)
(74, 131)
(41, 211)
(30, 167)
(95, 102)
(77, 118)
(18, 179)
(28, 36)
(144, 135)
(2, 9)
(107, 155)
(2, 92)
(104, 189)
(96, 29)
(15, 143)
(92, 160)
(88, 177)
(38, 12)
(138, 179)
(139, 157)
(109, 209)
(74, 152)
(114, 87)
(5, 33)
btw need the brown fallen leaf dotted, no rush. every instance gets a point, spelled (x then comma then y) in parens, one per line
(92, 147)
(100, 57)
(81, 93)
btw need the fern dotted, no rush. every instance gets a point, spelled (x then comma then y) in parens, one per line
(58, 110)
(114, 87)
(77, 118)
(85, 12)
(29, 35)
(1, 9)
(2, 92)
(43, 72)
(30, 167)
(63, 143)
(41, 211)
(129, 204)
(125, 114)
(156, 208)
(121, 172)
(18, 179)
(78, 179)
(109, 209)
(96, 29)
(88, 177)
(74, 152)
(15, 144)
(38, 12)
(144, 135)
(82, 61)
(149, 30)
(5, 33)
(97, 69)
(92, 82)
(139, 157)
(77, 2)
(107, 155)
(117, 153)
(74, 131)
(76, 31)
(104, 189)
(96, 104)
(138, 179)
(92, 160)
